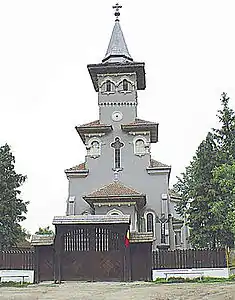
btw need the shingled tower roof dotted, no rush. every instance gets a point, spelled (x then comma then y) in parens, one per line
(117, 51)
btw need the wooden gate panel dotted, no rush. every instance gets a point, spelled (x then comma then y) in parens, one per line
(141, 261)
(92, 253)
(45, 263)
(108, 266)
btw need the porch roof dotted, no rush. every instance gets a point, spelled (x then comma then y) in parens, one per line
(42, 240)
(91, 219)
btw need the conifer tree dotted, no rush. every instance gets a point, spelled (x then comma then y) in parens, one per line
(12, 208)
(207, 206)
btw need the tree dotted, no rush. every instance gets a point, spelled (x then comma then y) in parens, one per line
(224, 178)
(12, 208)
(44, 231)
(207, 208)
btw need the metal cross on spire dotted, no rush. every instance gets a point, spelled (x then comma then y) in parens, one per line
(117, 12)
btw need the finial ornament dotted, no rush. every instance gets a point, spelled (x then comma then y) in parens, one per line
(117, 12)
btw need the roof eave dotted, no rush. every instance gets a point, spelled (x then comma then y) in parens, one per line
(141, 203)
(82, 130)
(76, 171)
(152, 127)
(105, 68)
(114, 197)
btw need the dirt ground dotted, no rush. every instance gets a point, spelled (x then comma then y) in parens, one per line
(121, 291)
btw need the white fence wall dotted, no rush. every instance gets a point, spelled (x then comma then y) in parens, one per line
(191, 273)
(16, 275)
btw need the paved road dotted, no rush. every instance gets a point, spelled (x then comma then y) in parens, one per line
(120, 291)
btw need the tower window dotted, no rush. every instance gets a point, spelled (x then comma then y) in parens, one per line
(108, 86)
(117, 145)
(125, 85)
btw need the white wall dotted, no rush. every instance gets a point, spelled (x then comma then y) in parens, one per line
(206, 272)
(14, 273)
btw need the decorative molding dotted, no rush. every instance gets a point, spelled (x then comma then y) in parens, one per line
(77, 174)
(94, 134)
(100, 204)
(158, 170)
(115, 74)
(129, 103)
(115, 212)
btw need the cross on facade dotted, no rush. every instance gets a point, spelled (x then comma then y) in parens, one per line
(117, 12)
(117, 145)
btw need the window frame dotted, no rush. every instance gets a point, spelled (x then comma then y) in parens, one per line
(154, 221)
(145, 146)
(89, 147)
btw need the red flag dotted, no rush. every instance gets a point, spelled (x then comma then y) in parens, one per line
(127, 239)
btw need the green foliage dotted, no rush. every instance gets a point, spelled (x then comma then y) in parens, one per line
(206, 185)
(12, 208)
(14, 284)
(44, 231)
(195, 279)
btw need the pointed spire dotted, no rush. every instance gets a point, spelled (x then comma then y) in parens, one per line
(117, 51)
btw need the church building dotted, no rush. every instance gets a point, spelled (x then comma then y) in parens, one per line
(120, 175)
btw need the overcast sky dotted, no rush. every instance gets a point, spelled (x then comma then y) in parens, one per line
(45, 88)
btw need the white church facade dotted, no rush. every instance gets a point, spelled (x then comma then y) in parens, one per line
(120, 175)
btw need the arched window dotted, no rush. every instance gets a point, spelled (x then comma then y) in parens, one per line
(149, 222)
(139, 147)
(125, 85)
(94, 148)
(108, 86)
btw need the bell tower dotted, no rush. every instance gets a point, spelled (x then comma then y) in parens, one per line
(117, 79)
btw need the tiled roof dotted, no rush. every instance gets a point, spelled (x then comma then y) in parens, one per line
(39, 240)
(92, 124)
(114, 189)
(142, 122)
(157, 164)
(80, 167)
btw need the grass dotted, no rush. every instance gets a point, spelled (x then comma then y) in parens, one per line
(196, 279)
(14, 284)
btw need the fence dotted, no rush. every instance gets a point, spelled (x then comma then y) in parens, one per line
(18, 259)
(190, 258)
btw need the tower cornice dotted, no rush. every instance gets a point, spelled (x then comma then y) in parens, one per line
(118, 68)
